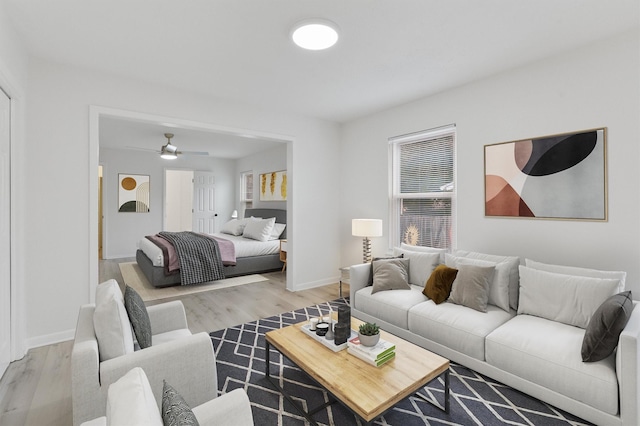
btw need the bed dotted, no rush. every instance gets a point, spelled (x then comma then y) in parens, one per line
(252, 256)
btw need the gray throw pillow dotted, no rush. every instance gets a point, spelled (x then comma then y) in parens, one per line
(375, 259)
(138, 317)
(604, 328)
(175, 411)
(390, 275)
(471, 286)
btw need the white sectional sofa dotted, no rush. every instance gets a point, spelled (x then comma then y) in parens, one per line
(530, 336)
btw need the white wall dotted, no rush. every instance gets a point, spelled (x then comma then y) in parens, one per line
(591, 87)
(56, 183)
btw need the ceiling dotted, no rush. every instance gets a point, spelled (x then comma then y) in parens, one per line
(389, 53)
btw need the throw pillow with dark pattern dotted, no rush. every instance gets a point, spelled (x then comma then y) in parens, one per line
(138, 317)
(175, 410)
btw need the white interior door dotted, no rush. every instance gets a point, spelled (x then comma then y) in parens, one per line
(204, 202)
(5, 232)
(178, 200)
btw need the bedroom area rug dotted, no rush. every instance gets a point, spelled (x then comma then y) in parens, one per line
(475, 399)
(134, 277)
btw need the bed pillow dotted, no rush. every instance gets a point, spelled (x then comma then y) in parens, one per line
(499, 284)
(390, 275)
(511, 263)
(111, 322)
(438, 286)
(421, 264)
(278, 229)
(471, 286)
(605, 326)
(259, 229)
(581, 272)
(568, 299)
(234, 227)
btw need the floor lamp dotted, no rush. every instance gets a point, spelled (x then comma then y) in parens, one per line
(366, 228)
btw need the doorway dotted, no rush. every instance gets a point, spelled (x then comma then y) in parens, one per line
(5, 231)
(190, 201)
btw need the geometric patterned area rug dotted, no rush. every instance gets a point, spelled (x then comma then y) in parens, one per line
(474, 398)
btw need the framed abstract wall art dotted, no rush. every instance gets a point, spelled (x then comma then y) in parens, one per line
(133, 193)
(553, 177)
(273, 186)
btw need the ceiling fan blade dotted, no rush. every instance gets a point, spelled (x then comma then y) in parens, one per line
(192, 153)
(136, 148)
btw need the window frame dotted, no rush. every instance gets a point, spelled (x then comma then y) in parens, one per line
(244, 201)
(396, 197)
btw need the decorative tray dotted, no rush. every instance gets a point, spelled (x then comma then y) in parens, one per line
(328, 343)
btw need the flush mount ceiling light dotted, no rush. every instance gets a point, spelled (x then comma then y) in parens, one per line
(315, 34)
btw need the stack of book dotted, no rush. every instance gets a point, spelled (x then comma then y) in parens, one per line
(375, 355)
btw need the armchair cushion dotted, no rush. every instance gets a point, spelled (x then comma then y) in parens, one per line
(138, 316)
(130, 401)
(111, 322)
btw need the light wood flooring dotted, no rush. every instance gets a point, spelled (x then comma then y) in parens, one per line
(36, 390)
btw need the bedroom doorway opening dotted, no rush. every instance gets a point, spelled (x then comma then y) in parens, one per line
(5, 231)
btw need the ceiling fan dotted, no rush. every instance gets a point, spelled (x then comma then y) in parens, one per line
(170, 151)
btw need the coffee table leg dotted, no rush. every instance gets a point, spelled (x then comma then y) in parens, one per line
(446, 394)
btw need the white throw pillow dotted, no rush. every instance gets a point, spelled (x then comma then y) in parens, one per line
(111, 322)
(499, 284)
(424, 249)
(421, 265)
(130, 401)
(233, 227)
(259, 229)
(581, 272)
(511, 262)
(568, 299)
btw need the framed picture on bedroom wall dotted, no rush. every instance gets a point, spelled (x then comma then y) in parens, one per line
(561, 176)
(133, 193)
(273, 186)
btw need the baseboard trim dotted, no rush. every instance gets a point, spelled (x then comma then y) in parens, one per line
(50, 339)
(314, 284)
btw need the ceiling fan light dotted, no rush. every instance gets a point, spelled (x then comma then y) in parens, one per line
(168, 155)
(315, 34)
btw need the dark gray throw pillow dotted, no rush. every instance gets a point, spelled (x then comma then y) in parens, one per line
(175, 411)
(375, 259)
(604, 328)
(138, 316)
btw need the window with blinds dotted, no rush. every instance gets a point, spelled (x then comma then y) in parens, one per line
(423, 188)
(246, 195)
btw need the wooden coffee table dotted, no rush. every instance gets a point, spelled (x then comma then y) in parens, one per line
(366, 390)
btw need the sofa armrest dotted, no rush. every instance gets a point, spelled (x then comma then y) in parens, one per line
(167, 317)
(628, 368)
(230, 409)
(188, 364)
(85, 361)
(358, 279)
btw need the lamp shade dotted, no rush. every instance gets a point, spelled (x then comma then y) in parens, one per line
(366, 227)
(234, 214)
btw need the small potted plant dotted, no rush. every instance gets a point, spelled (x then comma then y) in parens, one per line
(369, 334)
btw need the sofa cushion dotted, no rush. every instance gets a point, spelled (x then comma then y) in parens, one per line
(605, 326)
(509, 263)
(175, 410)
(471, 286)
(438, 286)
(424, 249)
(565, 298)
(138, 316)
(390, 275)
(421, 264)
(548, 353)
(389, 306)
(456, 326)
(111, 322)
(621, 276)
(130, 401)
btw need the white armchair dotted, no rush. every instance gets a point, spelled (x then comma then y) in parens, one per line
(131, 401)
(186, 361)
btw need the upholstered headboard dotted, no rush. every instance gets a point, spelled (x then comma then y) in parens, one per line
(280, 215)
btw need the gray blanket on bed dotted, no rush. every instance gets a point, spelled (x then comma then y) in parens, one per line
(199, 256)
